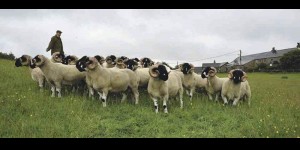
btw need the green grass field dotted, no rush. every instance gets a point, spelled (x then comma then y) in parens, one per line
(27, 112)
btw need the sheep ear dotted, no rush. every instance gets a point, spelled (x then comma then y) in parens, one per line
(244, 77)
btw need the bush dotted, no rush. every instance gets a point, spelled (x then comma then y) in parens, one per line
(290, 60)
(9, 56)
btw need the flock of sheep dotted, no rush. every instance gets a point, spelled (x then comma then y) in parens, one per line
(124, 75)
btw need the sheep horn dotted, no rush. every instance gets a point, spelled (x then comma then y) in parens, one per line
(153, 71)
(230, 74)
(212, 72)
(244, 77)
(192, 68)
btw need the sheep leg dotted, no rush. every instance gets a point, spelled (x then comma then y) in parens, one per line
(191, 94)
(236, 100)
(210, 96)
(91, 92)
(53, 91)
(58, 89)
(249, 100)
(41, 84)
(180, 98)
(136, 95)
(155, 104)
(103, 98)
(165, 104)
(100, 94)
(224, 99)
(124, 97)
(217, 97)
(187, 92)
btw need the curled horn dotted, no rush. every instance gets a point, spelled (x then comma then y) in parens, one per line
(212, 72)
(230, 74)
(153, 71)
(192, 68)
(244, 77)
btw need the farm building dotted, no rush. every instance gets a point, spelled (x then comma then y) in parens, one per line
(221, 67)
(271, 58)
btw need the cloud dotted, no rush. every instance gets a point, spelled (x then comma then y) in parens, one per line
(169, 35)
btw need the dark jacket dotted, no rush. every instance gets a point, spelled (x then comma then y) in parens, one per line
(55, 45)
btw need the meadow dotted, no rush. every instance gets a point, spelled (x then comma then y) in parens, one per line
(27, 112)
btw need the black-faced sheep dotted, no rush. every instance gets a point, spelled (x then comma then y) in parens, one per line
(164, 85)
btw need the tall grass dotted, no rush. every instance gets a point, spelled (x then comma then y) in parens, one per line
(27, 112)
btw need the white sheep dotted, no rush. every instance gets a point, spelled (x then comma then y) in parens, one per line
(146, 62)
(120, 63)
(142, 73)
(191, 80)
(164, 85)
(57, 57)
(110, 61)
(36, 73)
(70, 60)
(236, 87)
(105, 80)
(57, 74)
(214, 83)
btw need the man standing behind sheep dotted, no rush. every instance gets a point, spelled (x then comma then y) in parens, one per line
(56, 44)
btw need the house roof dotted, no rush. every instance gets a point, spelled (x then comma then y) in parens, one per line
(269, 54)
(213, 64)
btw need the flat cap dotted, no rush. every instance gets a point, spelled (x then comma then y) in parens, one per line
(58, 31)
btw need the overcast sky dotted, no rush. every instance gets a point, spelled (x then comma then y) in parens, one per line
(169, 35)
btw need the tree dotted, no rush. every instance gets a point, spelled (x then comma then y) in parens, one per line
(291, 60)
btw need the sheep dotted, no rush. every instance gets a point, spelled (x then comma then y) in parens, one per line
(120, 62)
(70, 60)
(236, 88)
(142, 73)
(57, 57)
(105, 80)
(110, 61)
(57, 74)
(164, 85)
(214, 83)
(100, 59)
(146, 62)
(36, 73)
(191, 80)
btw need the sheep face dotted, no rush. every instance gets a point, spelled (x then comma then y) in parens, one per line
(237, 76)
(131, 64)
(136, 59)
(159, 71)
(111, 59)
(22, 61)
(146, 62)
(100, 59)
(209, 71)
(123, 58)
(38, 60)
(81, 63)
(58, 57)
(187, 68)
(68, 59)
